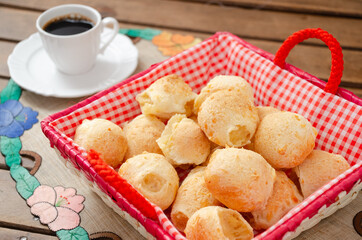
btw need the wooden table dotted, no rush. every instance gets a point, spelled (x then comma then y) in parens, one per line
(263, 23)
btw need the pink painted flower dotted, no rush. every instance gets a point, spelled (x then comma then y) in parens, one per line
(57, 207)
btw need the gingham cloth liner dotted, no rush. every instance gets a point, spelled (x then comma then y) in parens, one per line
(337, 120)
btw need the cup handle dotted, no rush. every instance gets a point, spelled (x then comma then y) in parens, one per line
(115, 29)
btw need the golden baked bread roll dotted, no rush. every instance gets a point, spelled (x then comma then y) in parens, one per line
(215, 223)
(265, 110)
(262, 112)
(191, 196)
(284, 139)
(167, 96)
(153, 176)
(319, 168)
(142, 133)
(104, 137)
(241, 179)
(213, 149)
(224, 82)
(228, 118)
(285, 196)
(183, 141)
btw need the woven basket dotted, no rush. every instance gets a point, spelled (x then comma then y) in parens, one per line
(336, 113)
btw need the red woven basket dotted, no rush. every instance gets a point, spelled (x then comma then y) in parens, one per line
(335, 112)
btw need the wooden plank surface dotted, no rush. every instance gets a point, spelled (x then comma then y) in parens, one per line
(348, 8)
(12, 234)
(3, 82)
(5, 50)
(20, 24)
(267, 25)
(16, 214)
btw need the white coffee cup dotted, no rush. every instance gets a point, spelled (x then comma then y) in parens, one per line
(77, 53)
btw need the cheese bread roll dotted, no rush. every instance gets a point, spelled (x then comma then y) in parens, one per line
(191, 196)
(265, 110)
(103, 136)
(183, 141)
(262, 112)
(167, 96)
(285, 196)
(142, 133)
(222, 82)
(216, 147)
(228, 118)
(214, 223)
(319, 168)
(241, 179)
(153, 176)
(284, 139)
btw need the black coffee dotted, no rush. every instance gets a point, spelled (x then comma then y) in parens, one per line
(68, 26)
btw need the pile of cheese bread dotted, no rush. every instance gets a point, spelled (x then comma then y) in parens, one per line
(249, 165)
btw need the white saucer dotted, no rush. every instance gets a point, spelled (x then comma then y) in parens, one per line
(31, 68)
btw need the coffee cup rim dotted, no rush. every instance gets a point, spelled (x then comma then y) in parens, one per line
(40, 28)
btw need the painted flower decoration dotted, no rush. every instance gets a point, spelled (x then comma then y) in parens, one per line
(15, 119)
(171, 44)
(57, 207)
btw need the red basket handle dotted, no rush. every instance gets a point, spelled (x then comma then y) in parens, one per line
(333, 45)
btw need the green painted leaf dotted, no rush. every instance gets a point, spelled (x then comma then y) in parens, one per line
(77, 233)
(149, 33)
(25, 183)
(123, 31)
(13, 158)
(11, 91)
(10, 148)
(134, 32)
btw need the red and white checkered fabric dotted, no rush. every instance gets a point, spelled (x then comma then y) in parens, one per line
(337, 120)
(167, 224)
